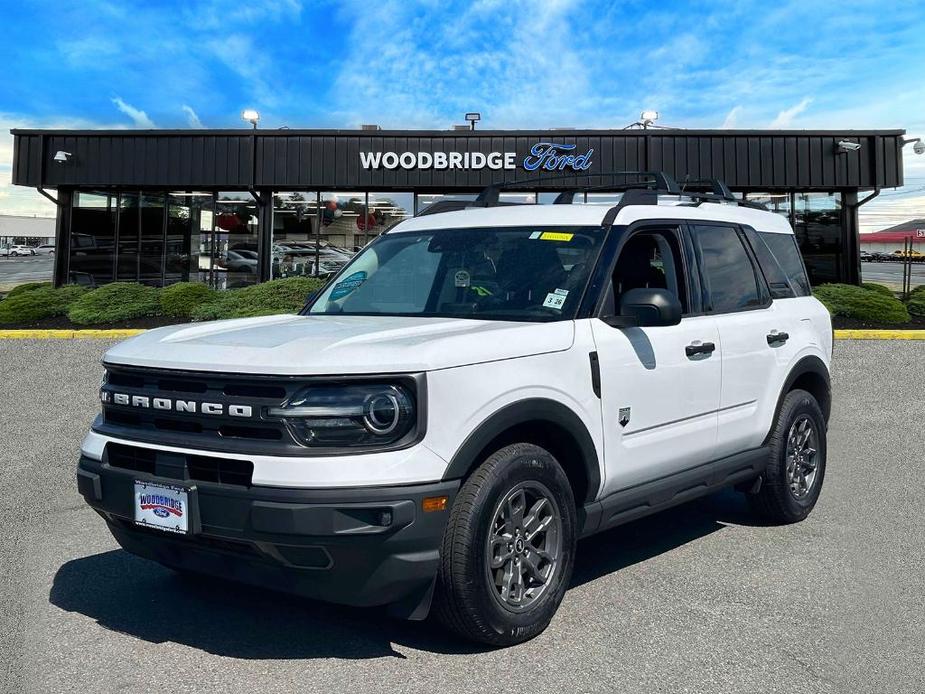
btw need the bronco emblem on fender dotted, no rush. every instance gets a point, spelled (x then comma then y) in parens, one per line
(625, 416)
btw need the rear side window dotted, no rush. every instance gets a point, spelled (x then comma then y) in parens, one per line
(785, 250)
(778, 282)
(727, 270)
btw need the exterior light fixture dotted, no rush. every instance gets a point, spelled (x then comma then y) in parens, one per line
(647, 118)
(62, 157)
(251, 116)
(473, 118)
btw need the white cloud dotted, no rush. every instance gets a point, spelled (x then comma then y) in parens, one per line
(192, 117)
(139, 117)
(785, 118)
(731, 118)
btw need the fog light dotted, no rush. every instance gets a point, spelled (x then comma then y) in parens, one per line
(434, 503)
(385, 518)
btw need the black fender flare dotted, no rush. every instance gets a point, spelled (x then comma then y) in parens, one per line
(810, 364)
(523, 412)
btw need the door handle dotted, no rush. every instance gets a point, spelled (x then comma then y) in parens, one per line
(702, 348)
(776, 337)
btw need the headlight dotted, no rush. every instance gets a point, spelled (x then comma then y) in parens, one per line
(349, 415)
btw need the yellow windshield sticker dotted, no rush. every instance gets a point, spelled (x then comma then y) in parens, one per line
(556, 236)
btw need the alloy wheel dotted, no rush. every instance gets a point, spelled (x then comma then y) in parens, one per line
(524, 545)
(802, 457)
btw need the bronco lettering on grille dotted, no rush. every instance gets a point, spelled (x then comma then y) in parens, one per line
(169, 404)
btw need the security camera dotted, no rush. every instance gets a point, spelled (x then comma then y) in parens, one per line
(846, 146)
(62, 157)
(919, 147)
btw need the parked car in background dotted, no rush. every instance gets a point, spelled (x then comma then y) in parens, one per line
(16, 250)
(45, 249)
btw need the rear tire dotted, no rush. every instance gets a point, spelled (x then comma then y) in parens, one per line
(508, 549)
(796, 464)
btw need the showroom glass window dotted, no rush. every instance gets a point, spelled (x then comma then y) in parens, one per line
(340, 214)
(384, 210)
(127, 261)
(234, 240)
(295, 230)
(93, 224)
(151, 259)
(818, 224)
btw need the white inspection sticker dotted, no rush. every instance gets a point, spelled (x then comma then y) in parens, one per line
(556, 299)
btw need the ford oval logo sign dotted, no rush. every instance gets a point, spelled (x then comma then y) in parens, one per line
(161, 512)
(551, 156)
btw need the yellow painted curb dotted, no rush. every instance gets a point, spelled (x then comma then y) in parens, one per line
(880, 334)
(67, 334)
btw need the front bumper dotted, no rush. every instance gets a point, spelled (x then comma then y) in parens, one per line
(355, 546)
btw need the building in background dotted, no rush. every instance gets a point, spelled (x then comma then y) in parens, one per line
(29, 231)
(892, 239)
(234, 207)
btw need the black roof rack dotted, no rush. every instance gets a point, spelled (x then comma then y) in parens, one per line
(641, 192)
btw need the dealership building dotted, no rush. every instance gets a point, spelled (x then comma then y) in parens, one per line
(234, 207)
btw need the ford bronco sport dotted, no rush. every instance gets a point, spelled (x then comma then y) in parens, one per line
(478, 389)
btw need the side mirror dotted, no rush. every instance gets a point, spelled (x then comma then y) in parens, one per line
(646, 308)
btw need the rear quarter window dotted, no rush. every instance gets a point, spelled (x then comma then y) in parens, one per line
(785, 251)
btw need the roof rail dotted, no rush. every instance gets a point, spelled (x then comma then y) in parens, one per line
(490, 194)
(720, 189)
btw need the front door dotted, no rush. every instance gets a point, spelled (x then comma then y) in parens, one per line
(660, 386)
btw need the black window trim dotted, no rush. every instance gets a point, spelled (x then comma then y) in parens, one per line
(764, 293)
(619, 240)
(796, 244)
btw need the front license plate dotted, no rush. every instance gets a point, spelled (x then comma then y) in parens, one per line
(162, 506)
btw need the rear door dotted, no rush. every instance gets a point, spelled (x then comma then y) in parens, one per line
(660, 386)
(756, 335)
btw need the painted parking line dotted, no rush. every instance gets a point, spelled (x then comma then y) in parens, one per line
(26, 334)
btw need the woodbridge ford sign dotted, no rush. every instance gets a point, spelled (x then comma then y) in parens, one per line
(544, 156)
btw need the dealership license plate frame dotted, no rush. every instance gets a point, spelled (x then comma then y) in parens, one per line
(187, 494)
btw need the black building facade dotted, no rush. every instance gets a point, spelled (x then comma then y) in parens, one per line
(233, 207)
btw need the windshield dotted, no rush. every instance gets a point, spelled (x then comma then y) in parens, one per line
(509, 273)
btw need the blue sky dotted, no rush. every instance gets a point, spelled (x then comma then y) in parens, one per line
(423, 64)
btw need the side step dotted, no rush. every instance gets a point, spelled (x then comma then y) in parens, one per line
(629, 504)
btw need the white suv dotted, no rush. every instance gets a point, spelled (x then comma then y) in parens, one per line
(474, 392)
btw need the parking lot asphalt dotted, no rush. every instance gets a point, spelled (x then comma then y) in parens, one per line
(891, 274)
(15, 271)
(697, 599)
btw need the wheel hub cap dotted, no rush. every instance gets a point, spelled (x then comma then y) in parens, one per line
(802, 457)
(524, 545)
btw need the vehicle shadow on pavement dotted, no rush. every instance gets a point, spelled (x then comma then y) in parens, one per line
(140, 598)
(648, 537)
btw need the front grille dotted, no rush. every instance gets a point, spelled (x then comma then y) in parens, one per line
(256, 434)
(180, 466)
(170, 408)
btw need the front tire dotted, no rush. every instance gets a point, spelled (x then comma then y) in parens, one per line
(796, 465)
(508, 549)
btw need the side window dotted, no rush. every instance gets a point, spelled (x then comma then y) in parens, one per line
(649, 259)
(784, 247)
(778, 282)
(727, 270)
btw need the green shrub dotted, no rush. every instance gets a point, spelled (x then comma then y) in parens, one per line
(861, 304)
(27, 306)
(916, 305)
(874, 287)
(279, 296)
(918, 292)
(27, 287)
(181, 299)
(115, 302)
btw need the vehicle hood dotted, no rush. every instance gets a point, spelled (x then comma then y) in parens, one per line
(331, 344)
